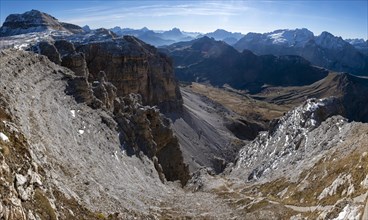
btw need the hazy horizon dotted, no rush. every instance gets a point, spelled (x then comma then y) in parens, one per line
(348, 19)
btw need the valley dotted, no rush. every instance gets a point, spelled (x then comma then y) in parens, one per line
(99, 124)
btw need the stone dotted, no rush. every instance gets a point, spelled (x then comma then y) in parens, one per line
(76, 63)
(35, 178)
(134, 67)
(144, 130)
(49, 50)
(20, 179)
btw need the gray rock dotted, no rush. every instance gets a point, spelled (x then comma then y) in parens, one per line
(20, 179)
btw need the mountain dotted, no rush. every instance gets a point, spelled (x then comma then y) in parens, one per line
(176, 35)
(96, 126)
(128, 31)
(226, 36)
(152, 37)
(208, 60)
(325, 50)
(316, 148)
(359, 44)
(86, 28)
(35, 21)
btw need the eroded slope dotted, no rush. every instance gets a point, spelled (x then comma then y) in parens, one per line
(80, 151)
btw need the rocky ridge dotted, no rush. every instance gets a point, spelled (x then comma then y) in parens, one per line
(310, 161)
(207, 60)
(129, 146)
(142, 128)
(289, 137)
(359, 44)
(128, 63)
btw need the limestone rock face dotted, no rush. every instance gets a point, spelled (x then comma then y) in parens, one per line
(104, 91)
(126, 77)
(129, 64)
(145, 130)
(50, 51)
(76, 63)
(64, 47)
(290, 138)
(70, 58)
(134, 67)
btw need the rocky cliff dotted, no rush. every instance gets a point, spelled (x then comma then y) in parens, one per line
(81, 155)
(128, 63)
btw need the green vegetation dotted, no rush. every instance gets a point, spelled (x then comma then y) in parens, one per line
(43, 206)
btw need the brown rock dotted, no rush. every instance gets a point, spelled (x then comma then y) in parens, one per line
(64, 47)
(76, 63)
(135, 67)
(145, 130)
(49, 50)
(105, 92)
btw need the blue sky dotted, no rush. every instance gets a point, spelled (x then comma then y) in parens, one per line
(348, 19)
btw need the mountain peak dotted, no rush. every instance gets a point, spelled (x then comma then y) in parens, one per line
(175, 30)
(145, 29)
(228, 37)
(295, 37)
(34, 21)
(328, 40)
(221, 31)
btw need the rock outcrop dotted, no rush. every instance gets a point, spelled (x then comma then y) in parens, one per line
(116, 71)
(50, 51)
(290, 137)
(135, 67)
(128, 63)
(125, 76)
(312, 161)
(144, 130)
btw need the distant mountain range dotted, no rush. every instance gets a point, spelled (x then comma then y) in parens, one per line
(208, 60)
(325, 50)
(161, 38)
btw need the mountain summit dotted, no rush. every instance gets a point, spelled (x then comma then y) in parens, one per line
(325, 50)
(35, 21)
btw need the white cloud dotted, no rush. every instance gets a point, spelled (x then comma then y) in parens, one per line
(111, 14)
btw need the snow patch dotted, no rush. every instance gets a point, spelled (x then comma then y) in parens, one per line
(4, 137)
(73, 113)
(116, 155)
(80, 131)
(349, 212)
